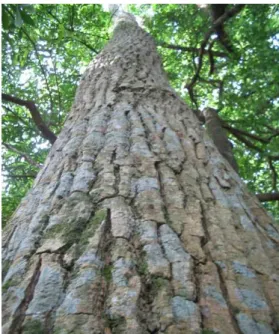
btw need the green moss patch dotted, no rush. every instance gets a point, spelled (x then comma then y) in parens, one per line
(34, 327)
(207, 331)
(117, 325)
(107, 273)
(8, 284)
(79, 231)
(142, 267)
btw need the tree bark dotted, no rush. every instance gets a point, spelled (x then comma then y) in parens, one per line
(136, 223)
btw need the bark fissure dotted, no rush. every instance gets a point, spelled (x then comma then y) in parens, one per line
(226, 295)
(19, 315)
(161, 186)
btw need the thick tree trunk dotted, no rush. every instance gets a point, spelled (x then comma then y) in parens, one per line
(136, 223)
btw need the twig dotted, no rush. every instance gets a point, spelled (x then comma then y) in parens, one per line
(73, 31)
(24, 155)
(57, 85)
(42, 68)
(39, 62)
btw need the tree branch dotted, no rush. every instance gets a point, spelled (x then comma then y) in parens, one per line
(87, 45)
(211, 58)
(73, 31)
(39, 62)
(46, 132)
(247, 134)
(191, 49)
(230, 13)
(20, 176)
(41, 67)
(268, 197)
(20, 119)
(24, 155)
(240, 137)
(273, 173)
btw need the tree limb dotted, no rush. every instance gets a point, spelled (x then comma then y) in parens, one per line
(247, 142)
(273, 173)
(211, 58)
(230, 13)
(37, 118)
(24, 155)
(191, 49)
(21, 176)
(268, 197)
(247, 134)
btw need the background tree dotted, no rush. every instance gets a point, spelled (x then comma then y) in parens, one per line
(137, 223)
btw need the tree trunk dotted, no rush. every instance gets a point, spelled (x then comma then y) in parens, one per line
(136, 223)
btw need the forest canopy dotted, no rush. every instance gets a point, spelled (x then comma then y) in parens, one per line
(232, 67)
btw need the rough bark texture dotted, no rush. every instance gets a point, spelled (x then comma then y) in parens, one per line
(136, 223)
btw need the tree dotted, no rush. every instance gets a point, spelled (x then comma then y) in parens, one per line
(137, 223)
(40, 69)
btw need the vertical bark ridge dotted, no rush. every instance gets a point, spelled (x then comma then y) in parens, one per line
(140, 223)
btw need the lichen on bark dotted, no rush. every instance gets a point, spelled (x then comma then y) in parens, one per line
(136, 223)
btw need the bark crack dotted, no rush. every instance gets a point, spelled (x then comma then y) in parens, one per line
(19, 316)
(164, 207)
(226, 296)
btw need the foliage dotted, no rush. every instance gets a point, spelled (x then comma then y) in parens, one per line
(47, 47)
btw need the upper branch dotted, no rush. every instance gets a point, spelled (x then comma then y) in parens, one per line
(191, 49)
(230, 13)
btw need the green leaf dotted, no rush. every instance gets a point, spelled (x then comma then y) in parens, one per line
(15, 59)
(61, 32)
(24, 58)
(18, 18)
(5, 19)
(27, 18)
